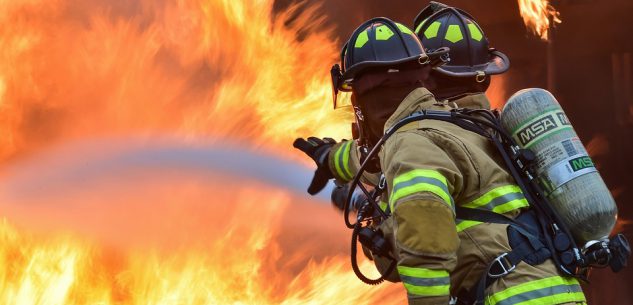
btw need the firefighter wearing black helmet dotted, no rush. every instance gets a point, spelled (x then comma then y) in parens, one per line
(472, 61)
(379, 45)
(463, 80)
(431, 167)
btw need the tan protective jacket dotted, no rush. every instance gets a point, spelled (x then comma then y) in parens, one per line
(431, 166)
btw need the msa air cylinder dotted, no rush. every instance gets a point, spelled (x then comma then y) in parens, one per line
(564, 169)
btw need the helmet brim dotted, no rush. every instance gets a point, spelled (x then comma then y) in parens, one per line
(435, 58)
(499, 63)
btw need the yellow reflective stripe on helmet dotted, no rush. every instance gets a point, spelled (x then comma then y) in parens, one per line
(431, 31)
(551, 290)
(403, 28)
(420, 180)
(425, 282)
(383, 32)
(417, 29)
(462, 225)
(361, 40)
(475, 33)
(500, 200)
(454, 33)
(341, 161)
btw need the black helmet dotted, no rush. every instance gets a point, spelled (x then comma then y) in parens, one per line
(380, 43)
(439, 25)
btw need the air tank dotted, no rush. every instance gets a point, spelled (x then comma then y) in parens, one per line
(564, 170)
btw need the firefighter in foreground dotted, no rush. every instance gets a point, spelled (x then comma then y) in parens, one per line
(463, 81)
(433, 166)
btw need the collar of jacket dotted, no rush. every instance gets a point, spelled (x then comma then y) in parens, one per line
(473, 101)
(422, 98)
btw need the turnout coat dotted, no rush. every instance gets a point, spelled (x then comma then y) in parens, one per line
(432, 166)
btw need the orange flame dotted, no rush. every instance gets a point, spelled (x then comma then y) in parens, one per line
(598, 146)
(538, 16)
(621, 225)
(245, 254)
(193, 69)
(81, 69)
(497, 93)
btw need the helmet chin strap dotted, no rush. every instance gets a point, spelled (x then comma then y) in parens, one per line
(377, 103)
(365, 139)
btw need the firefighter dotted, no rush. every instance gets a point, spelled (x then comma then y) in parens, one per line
(433, 166)
(463, 81)
(467, 76)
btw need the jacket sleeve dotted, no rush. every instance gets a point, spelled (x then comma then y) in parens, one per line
(343, 160)
(344, 163)
(422, 179)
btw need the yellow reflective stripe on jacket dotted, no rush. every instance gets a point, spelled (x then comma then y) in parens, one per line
(425, 282)
(420, 180)
(341, 161)
(465, 224)
(500, 200)
(551, 290)
(383, 206)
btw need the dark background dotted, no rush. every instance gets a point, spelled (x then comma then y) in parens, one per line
(590, 74)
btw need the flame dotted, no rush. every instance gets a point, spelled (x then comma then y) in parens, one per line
(497, 93)
(192, 68)
(174, 258)
(69, 271)
(539, 16)
(598, 146)
(75, 70)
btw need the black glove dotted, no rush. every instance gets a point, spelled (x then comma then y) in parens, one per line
(318, 150)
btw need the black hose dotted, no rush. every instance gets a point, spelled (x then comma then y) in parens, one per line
(448, 118)
(357, 271)
(356, 180)
(371, 199)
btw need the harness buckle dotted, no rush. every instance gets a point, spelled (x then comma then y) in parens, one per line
(503, 264)
(382, 184)
(438, 113)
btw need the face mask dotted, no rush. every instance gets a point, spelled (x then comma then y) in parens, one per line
(378, 95)
(379, 104)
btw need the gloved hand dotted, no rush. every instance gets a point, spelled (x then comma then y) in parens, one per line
(318, 150)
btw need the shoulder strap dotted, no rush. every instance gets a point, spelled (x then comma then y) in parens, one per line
(483, 216)
(409, 126)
